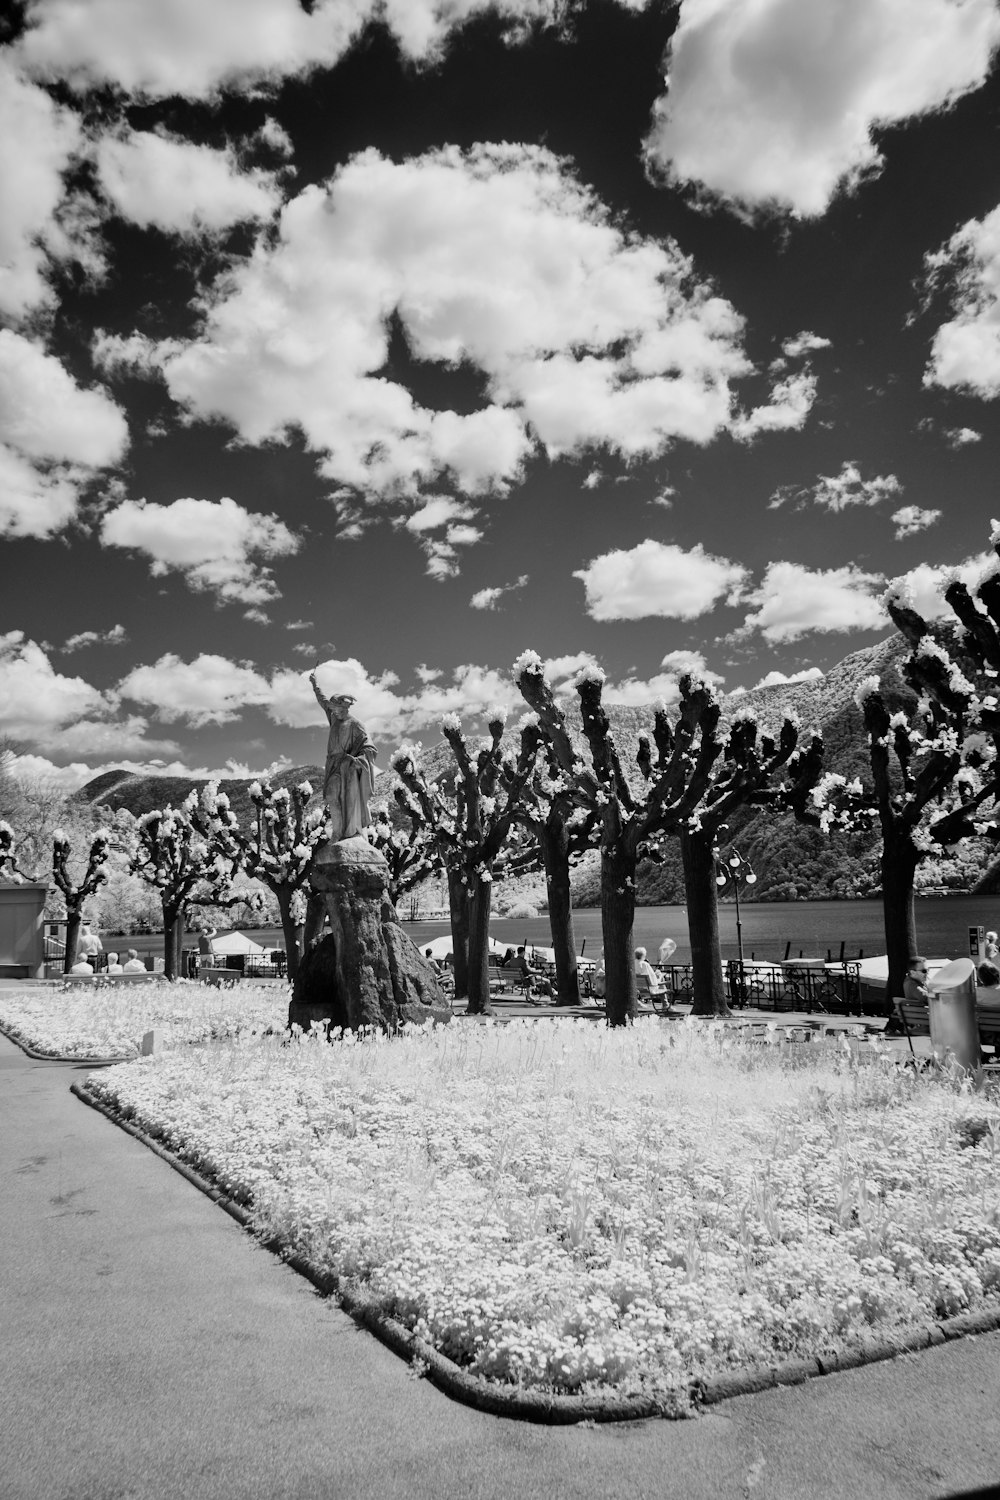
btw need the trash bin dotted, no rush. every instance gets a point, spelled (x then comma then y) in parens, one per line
(952, 1008)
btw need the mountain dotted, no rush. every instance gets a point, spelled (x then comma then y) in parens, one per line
(140, 794)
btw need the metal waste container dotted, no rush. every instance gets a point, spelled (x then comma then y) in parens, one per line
(952, 1008)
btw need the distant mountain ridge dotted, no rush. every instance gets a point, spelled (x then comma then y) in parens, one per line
(791, 861)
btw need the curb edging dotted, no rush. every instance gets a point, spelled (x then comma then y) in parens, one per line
(531, 1406)
(59, 1057)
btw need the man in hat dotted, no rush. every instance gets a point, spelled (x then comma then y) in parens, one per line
(349, 777)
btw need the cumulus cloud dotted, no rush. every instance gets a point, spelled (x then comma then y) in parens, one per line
(497, 259)
(835, 492)
(116, 636)
(240, 42)
(925, 584)
(33, 502)
(804, 343)
(38, 139)
(215, 544)
(960, 437)
(46, 416)
(775, 103)
(54, 436)
(772, 679)
(489, 598)
(911, 518)
(36, 701)
(208, 690)
(965, 353)
(659, 578)
(791, 402)
(793, 601)
(159, 181)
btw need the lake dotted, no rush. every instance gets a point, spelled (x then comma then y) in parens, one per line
(812, 927)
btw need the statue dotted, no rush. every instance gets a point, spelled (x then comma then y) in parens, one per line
(349, 777)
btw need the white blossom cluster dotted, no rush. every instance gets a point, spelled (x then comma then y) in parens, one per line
(867, 688)
(452, 722)
(528, 662)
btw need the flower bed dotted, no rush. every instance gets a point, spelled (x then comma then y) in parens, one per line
(105, 1020)
(574, 1210)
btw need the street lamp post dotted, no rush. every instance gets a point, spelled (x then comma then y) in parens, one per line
(731, 871)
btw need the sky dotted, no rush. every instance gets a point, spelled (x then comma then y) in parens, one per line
(402, 336)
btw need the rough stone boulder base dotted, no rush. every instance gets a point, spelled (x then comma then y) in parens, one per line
(366, 971)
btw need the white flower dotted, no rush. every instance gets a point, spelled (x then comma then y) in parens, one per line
(496, 713)
(590, 674)
(304, 789)
(528, 662)
(866, 688)
(452, 722)
(255, 791)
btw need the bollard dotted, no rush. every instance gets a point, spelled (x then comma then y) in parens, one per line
(952, 1008)
(152, 1041)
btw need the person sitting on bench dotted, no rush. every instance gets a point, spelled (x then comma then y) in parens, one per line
(646, 971)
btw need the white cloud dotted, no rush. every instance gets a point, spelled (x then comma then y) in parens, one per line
(300, 625)
(793, 601)
(772, 679)
(659, 578)
(158, 181)
(54, 435)
(47, 416)
(151, 50)
(239, 42)
(70, 778)
(208, 690)
(960, 437)
(791, 402)
(38, 139)
(116, 636)
(213, 543)
(438, 511)
(120, 737)
(498, 259)
(925, 584)
(774, 102)
(488, 598)
(965, 353)
(835, 492)
(36, 702)
(911, 518)
(32, 502)
(592, 479)
(691, 662)
(804, 343)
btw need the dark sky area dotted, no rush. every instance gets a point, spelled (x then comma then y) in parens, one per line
(661, 336)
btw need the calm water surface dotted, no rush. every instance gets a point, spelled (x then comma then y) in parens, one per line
(812, 927)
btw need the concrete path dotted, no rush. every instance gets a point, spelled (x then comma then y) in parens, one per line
(149, 1349)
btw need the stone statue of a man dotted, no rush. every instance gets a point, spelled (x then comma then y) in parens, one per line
(349, 778)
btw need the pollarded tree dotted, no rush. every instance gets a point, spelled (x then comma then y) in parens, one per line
(628, 821)
(173, 849)
(471, 829)
(277, 848)
(748, 769)
(687, 793)
(410, 855)
(914, 767)
(76, 891)
(562, 831)
(10, 855)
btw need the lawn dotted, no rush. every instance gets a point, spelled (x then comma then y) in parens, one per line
(108, 1020)
(562, 1208)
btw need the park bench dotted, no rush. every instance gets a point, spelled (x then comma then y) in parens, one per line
(988, 1022)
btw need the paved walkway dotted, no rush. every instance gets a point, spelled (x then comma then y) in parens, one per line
(150, 1349)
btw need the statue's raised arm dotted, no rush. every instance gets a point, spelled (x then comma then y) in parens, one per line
(349, 776)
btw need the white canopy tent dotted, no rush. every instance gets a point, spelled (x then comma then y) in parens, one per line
(235, 942)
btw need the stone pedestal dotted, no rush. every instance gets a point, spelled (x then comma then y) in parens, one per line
(366, 971)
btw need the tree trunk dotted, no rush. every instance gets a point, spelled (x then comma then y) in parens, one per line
(899, 866)
(73, 922)
(289, 930)
(173, 936)
(617, 920)
(703, 925)
(479, 949)
(554, 840)
(458, 906)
